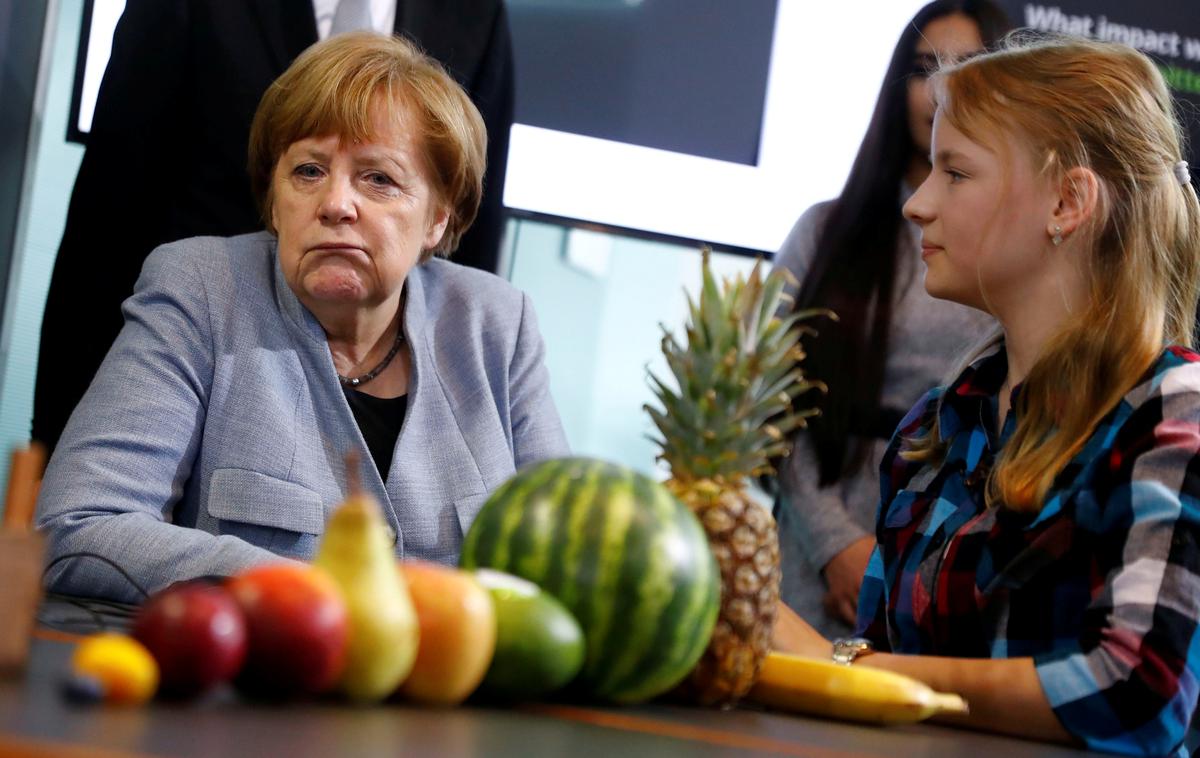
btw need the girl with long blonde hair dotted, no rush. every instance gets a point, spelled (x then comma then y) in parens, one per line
(858, 256)
(1037, 542)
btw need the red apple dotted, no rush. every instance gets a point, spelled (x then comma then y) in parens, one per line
(196, 633)
(298, 629)
(458, 633)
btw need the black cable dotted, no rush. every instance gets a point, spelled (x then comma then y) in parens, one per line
(112, 608)
(122, 611)
(104, 615)
(96, 615)
(103, 558)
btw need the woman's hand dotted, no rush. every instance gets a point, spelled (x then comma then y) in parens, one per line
(844, 575)
(793, 634)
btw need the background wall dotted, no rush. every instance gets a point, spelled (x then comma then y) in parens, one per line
(601, 301)
(51, 169)
(21, 25)
(1167, 31)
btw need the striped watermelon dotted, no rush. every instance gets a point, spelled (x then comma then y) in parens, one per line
(622, 554)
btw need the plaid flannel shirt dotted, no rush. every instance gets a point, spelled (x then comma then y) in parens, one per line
(1101, 587)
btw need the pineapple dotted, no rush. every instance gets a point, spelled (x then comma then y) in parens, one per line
(737, 375)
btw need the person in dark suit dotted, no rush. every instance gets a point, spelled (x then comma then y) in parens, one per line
(166, 157)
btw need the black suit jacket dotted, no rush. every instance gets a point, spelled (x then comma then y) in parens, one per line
(166, 157)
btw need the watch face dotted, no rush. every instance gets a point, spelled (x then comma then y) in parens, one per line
(846, 649)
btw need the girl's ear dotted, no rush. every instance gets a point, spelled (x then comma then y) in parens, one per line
(1078, 199)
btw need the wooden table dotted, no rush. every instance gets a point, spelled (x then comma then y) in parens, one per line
(36, 721)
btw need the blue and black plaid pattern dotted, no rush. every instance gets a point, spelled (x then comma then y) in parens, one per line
(1101, 587)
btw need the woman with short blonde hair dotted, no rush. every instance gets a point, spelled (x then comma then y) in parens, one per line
(213, 437)
(333, 89)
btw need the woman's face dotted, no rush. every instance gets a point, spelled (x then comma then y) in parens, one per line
(984, 213)
(947, 38)
(354, 218)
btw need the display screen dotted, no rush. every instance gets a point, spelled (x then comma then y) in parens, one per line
(702, 120)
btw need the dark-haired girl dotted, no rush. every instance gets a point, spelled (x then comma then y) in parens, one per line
(858, 256)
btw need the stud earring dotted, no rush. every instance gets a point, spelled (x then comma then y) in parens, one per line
(1057, 238)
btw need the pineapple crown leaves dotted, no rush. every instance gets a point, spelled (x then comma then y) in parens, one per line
(738, 374)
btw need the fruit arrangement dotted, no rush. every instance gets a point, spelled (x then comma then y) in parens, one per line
(355, 623)
(622, 608)
(347, 624)
(577, 576)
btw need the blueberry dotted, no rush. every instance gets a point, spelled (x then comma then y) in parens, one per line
(83, 690)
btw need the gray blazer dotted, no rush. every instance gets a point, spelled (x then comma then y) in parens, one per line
(213, 435)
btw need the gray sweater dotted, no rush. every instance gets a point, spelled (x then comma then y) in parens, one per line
(927, 338)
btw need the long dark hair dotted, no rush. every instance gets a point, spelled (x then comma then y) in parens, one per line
(854, 269)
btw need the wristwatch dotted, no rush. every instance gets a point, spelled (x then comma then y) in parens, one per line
(846, 650)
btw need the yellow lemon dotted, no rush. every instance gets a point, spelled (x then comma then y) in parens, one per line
(121, 664)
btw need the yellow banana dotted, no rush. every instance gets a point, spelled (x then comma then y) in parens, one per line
(856, 693)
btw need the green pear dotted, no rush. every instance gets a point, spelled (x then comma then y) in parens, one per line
(383, 629)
